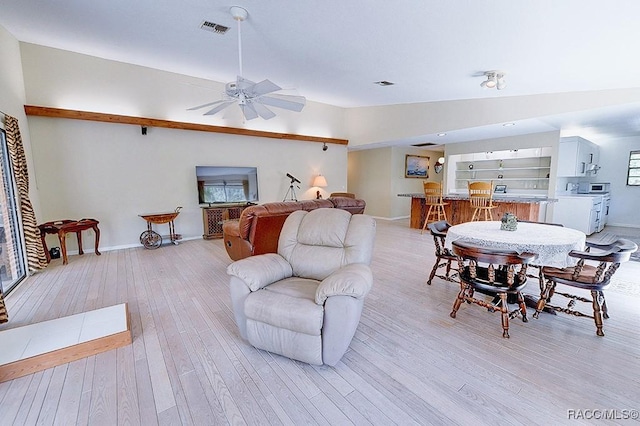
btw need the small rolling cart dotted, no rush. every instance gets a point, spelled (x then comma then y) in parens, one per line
(150, 239)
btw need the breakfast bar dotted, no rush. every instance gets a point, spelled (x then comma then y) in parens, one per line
(459, 210)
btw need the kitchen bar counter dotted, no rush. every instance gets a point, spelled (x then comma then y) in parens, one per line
(458, 210)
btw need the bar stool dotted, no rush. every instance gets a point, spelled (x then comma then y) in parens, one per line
(481, 199)
(444, 256)
(433, 199)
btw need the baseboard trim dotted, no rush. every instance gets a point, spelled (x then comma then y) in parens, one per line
(624, 225)
(127, 246)
(391, 218)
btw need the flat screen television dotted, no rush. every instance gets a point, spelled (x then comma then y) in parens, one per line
(217, 184)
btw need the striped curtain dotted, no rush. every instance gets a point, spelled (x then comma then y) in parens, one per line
(36, 258)
(3, 309)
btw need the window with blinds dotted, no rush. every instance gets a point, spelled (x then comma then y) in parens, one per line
(633, 175)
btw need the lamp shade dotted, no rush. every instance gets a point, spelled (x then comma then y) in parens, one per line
(320, 181)
(441, 160)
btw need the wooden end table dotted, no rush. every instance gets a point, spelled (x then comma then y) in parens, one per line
(61, 227)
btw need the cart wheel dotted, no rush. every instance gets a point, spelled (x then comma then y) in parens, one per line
(144, 236)
(151, 240)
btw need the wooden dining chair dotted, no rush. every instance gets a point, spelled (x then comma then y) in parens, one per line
(481, 199)
(444, 256)
(433, 199)
(504, 275)
(594, 277)
(538, 267)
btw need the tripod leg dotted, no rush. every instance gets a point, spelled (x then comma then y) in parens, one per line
(293, 194)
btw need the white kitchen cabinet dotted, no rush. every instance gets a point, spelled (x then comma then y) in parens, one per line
(576, 157)
(581, 212)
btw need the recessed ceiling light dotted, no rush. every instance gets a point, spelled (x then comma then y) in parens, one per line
(442, 134)
(384, 83)
(508, 124)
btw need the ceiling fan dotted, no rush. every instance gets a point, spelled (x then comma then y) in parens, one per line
(252, 97)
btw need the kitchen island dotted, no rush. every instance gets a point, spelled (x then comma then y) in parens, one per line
(459, 210)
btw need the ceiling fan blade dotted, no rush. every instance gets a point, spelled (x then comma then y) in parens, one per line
(249, 111)
(204, 105)
(290, 102)
(263, 111)
(219, 108)
(262, 88)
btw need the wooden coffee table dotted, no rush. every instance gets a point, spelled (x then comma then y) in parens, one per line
(61, 227)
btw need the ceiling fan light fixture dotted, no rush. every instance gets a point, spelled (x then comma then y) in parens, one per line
(252, 98)
(238, 13)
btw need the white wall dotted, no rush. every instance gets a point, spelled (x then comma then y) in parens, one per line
(12, 98)
(369, 178)
(62, 79)
(113, 173)
(625, 200)
(377, 175)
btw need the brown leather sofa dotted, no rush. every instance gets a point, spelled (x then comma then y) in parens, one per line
(258, 229)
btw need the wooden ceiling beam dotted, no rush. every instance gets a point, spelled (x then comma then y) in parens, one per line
(40, 111)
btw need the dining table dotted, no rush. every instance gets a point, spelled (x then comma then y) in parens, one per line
(551, 243)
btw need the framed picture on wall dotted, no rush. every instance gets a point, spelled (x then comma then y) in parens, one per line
(416, 166)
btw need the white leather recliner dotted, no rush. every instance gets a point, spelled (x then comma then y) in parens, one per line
(305, 301)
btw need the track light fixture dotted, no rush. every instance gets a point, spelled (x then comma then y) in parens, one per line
(494, 79)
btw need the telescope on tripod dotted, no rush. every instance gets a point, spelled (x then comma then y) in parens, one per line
(291, 193)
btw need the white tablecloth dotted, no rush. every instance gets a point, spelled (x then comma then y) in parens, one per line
(551, 243)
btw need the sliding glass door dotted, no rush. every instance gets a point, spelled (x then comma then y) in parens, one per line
(12, 264)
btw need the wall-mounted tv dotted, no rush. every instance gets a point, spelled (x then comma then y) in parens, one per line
(218, 184)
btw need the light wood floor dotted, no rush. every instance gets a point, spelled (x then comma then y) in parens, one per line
(409, 363)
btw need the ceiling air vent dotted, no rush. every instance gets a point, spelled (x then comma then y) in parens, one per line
(213, 27)
(384, 83)
(425, 144)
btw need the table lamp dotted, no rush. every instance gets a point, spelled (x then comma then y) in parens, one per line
(319, 182)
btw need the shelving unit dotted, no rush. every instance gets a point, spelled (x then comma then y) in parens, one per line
(526, 171)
